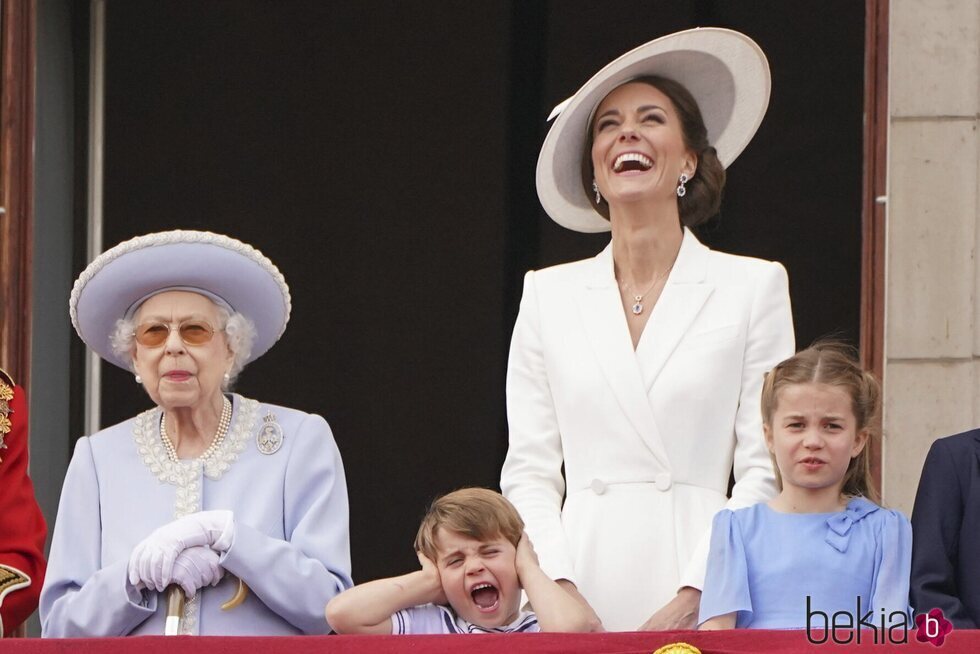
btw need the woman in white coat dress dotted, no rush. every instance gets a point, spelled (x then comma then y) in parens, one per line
(640, 370)
(206, 488)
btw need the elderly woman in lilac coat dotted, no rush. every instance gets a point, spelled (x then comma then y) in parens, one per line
(234, 508)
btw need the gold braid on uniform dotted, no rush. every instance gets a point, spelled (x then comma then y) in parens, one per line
(6, 395)
(11, 579)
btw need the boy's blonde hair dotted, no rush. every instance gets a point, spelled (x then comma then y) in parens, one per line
(834, 364)
(479, 513)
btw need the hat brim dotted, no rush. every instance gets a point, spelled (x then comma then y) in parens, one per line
(725, 71)
(218, 266)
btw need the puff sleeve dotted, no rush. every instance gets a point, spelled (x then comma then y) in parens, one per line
(893, 564)
(726, 583)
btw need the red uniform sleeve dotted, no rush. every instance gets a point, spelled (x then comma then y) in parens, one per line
(22, 527)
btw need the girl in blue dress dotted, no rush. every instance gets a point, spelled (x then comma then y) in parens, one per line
(823, 545)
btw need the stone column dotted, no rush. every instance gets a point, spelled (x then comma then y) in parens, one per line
(932, 317)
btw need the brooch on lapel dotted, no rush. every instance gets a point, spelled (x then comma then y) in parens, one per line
(269, 438)
(6, 395)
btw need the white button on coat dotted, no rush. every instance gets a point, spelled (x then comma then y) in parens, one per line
(598, 486)
(662, 480)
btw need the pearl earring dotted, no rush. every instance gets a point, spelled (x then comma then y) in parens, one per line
(139, 380)
(227, 377)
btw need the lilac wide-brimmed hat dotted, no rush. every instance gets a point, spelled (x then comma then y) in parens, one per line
(233, 274)
(725, 71)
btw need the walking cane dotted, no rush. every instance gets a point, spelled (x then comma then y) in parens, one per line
(175, 606)
(175, 610)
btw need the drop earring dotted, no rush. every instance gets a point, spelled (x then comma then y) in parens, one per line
(681, 190)
(598, 196)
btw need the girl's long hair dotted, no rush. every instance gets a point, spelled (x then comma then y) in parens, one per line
(834, 364)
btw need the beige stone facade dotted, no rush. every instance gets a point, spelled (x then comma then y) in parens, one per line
(932, 306)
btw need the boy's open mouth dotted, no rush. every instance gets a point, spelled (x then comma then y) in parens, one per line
(485, 596)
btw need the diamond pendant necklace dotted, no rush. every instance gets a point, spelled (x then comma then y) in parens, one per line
(637, 307)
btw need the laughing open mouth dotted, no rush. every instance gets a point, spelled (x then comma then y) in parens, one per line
(632, 161)
(485, 596)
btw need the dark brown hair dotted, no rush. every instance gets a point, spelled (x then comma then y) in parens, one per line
(479, 513)
(834, 364)
(704, 189)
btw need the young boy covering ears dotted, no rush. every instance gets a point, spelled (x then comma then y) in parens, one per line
(475, 559)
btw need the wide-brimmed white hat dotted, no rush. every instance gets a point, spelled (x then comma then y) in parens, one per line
(725, 71)
(233, 274)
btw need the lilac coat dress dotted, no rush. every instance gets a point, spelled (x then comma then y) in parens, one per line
(291, 543)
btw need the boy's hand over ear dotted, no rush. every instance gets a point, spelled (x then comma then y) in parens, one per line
(556, 608)
(527, 558)
(432, 580)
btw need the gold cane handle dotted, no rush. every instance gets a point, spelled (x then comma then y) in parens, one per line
(239, 597)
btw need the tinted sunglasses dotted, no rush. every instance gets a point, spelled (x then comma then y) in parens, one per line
(155, 334)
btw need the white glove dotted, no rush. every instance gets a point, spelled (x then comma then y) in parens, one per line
(152, 561)
(197, 567)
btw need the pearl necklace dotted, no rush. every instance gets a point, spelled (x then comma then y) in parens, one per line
(219, 436)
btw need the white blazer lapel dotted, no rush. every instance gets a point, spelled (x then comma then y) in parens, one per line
(605, 327)
(685, 292)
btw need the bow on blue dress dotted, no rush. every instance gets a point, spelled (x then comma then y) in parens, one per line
(839, 525)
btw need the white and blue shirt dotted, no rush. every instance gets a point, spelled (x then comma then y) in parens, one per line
(439, 619)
